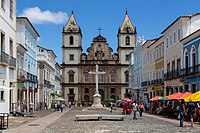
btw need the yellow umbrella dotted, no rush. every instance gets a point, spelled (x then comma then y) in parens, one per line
(194, 97)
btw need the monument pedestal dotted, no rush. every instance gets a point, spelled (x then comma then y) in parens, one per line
(97, 101)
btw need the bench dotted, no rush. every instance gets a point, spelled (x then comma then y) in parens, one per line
(99, 117)
(87, 117)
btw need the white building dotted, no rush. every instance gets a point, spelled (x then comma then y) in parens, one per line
(46, 75)
(180, 28)
(58, 88)
(138, 92)
(7, 55)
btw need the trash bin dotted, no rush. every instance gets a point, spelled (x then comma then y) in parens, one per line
(3, 120)
(31, 107)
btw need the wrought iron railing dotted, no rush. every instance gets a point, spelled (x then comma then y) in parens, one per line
(4, 57)
(12, 61)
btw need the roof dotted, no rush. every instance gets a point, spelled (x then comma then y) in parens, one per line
(190, 35)
(25, 18)
(153, 41)
(48, 50)
(189, 16)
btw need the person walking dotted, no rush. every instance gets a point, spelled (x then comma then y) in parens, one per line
(111, 107)
(61, 107)
(181, 112)
(191, 111)
(56, 106)
(141, 109)
(135, 108)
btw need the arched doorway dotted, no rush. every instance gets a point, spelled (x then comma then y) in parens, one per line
(86, 98)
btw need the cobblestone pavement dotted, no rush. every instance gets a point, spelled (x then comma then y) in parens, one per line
(147, 124)
(15, 121)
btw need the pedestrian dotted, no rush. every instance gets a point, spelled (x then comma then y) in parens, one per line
(181, 112)
(135, 109)
(56, 106)
(69, 104)
(141, 109)
(61, 107)
(191, 111)
(111, 107)
(124, 108)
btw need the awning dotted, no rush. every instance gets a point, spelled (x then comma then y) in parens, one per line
(195, 97)
(171, 97)
(155, 98)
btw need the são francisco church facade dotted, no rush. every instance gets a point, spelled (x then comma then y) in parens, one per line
(77, 84)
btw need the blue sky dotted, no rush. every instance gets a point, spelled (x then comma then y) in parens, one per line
(150, 17)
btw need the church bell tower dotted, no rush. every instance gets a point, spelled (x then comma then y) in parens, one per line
(126, 39)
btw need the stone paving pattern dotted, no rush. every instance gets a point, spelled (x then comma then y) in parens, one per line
(57, 122)
(147, 124)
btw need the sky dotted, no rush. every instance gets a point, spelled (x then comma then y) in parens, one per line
(150, 17)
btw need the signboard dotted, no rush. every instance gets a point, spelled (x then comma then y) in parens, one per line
(158, 88)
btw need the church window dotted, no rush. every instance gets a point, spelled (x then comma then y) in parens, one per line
(127, 57)
(112, 77)
(71, 76)
(112, 90)
(86, 90)
(127, 40)
(71, 91)
(86, 78)
(71, 57)
(71, 40)
(101, 78)
(179, 34)
(126, 76)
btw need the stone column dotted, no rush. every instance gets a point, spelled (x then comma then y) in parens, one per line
(189, 87)
(27, 99)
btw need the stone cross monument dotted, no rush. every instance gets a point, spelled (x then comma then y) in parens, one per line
(97, 96)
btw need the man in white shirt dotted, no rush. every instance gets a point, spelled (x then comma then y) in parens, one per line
(135, 108)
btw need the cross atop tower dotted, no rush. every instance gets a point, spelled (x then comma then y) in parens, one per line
(99, 29)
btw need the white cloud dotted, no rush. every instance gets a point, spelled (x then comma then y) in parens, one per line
(37, 16)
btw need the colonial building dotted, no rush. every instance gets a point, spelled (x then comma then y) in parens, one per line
(138, 92)
(77, 84)
(8, 92)
(26, 62)
(156, 67)
(190, 62)
(146, 80)
(46, 75)
(57, 82)
(179, 29)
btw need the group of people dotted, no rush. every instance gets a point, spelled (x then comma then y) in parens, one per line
(176, 109)
(129, 107)
(59, 106)
(190, 109)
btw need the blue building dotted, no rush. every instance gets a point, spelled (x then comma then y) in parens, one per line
(191, 62)
(27, 93)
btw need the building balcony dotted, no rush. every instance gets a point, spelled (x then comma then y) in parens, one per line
(57, 78)
(21, 74)
(12, 62)
(191, 71)
(4, 58)
(172, 74)
(31, 77)
(47, 83)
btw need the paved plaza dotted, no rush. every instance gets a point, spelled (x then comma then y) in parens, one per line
(57, 122)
